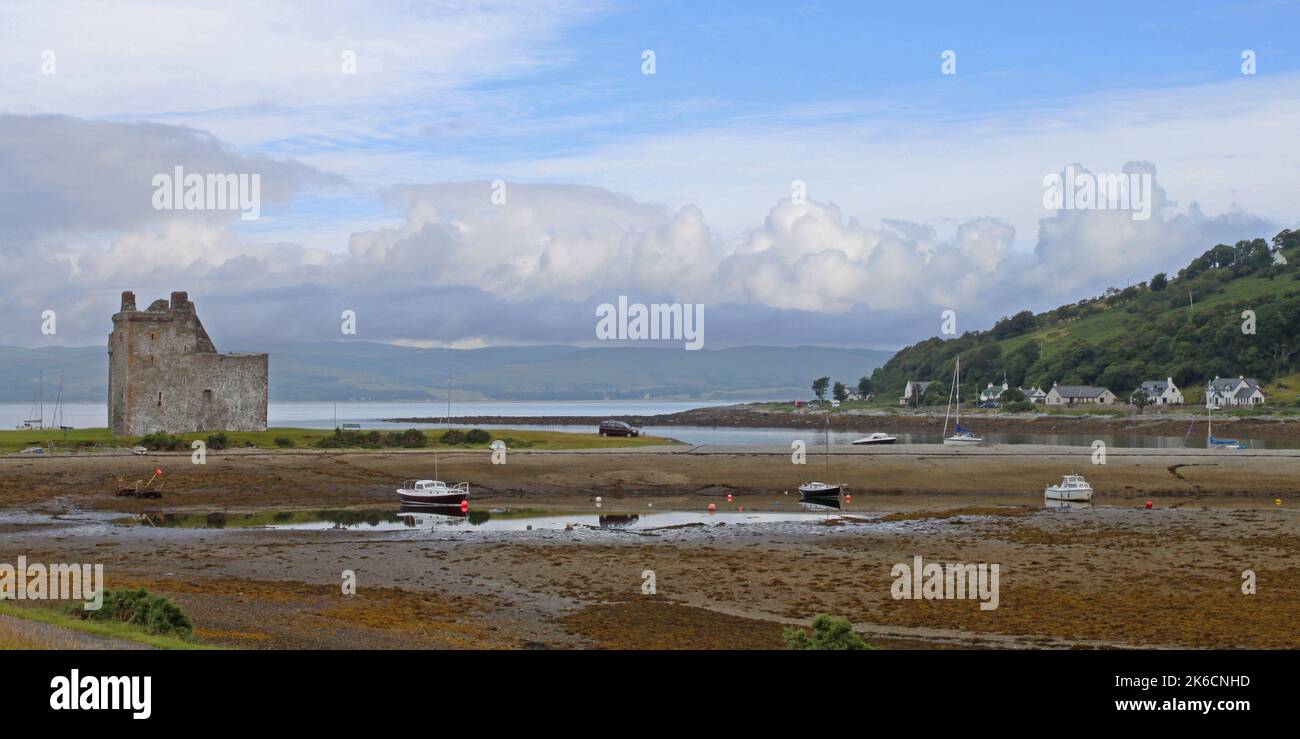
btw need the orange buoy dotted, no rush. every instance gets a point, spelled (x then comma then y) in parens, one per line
(713, 507)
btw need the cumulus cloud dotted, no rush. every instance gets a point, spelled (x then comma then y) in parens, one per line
(463, 268)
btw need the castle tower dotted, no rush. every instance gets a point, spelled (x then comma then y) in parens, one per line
(165, 374)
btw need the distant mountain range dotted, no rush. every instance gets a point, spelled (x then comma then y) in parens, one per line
(328, 371)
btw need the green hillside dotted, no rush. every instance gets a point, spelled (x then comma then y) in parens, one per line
(1188, 326)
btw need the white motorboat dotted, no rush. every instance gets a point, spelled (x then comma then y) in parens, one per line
(963, 436)
(878, 437)
(426, 493)
(1072, 488)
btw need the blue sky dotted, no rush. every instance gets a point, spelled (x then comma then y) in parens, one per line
(619, 180)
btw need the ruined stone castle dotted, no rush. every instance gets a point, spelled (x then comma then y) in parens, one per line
(165, 374)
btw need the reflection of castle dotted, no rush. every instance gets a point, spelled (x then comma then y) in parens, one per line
(164, 374)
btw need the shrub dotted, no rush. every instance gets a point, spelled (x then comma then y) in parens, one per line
(1020, 406)
(452, 436)
(413, 439)
(162, 441)
(283, 442)
(827, 633)
(478, 436)
(218, 442)
(154, 613)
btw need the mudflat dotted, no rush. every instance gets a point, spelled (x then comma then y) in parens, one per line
(1113, 575)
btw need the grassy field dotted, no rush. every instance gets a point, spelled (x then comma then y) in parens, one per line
(89, 439)
(111, 630)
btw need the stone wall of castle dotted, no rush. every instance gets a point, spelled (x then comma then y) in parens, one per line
(165, 374)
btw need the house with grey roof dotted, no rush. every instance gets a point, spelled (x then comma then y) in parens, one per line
(1035, 395)
(1079, 395)
(1225, 391)
(1161, 392)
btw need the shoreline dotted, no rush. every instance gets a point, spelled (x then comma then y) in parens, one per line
(909, 420)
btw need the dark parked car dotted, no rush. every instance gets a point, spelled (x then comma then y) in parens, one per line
(618, 428)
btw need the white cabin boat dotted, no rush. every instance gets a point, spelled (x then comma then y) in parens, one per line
(1072, 488)
(878, 437)
(432, 493)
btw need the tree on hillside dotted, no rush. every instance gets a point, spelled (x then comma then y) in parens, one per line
(864, 387)
(1159, 282)
(935, 394)
(1021, 323)
(819, 387)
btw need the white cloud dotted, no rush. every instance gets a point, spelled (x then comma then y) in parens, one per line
(462, 270)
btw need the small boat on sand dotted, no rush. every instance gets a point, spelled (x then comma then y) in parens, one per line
(878, 437)
(1072, 488)
(822, 494)
(425, 493)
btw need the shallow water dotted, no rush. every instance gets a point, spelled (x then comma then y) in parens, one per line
(452, 518)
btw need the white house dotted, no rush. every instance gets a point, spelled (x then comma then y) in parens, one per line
(1079, 395)
(1234, 391)
(993, 392)
(915, 389)
(1161, 392)
(1034, 395)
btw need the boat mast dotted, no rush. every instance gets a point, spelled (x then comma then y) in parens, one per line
(1209, 419)
(956, 381)
(947, 411)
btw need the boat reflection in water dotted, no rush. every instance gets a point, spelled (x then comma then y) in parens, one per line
(620, 521)
(1051, 503)
(429, 517)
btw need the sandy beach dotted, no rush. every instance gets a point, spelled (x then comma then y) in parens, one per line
(1113, 575)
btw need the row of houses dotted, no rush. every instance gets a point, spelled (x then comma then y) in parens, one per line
(1221, 391)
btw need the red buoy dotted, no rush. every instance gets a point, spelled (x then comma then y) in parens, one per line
(728, 497)
(712, 507)
(464, 506)
(1149, 505)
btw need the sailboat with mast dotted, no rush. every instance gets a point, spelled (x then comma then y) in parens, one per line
(36, 416)
(436, 493)
(822, 494)
(1210, 441)
(963, 436)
